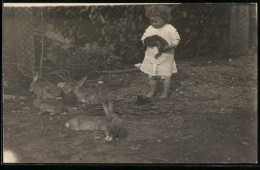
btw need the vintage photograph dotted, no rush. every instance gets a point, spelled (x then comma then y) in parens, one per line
(130, 83)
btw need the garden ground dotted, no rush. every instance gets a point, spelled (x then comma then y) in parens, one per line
(210, 117)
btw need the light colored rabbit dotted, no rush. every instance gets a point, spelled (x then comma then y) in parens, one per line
(88, 95)
(44, 89)
(49, 105)
(108, 124)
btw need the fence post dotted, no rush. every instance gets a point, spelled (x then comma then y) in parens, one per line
(239, 30)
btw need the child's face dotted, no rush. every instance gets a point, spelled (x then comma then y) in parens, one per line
(157, 22)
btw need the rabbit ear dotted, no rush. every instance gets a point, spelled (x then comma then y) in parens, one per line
(74, 85)
(35, 77)
(106, 109)
(81, 82)
(111, 107)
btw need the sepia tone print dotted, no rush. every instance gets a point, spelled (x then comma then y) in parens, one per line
(130, 83)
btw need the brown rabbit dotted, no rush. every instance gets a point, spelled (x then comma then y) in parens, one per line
(106, 124)
(44, 89)
(49, 105)
(88, 95)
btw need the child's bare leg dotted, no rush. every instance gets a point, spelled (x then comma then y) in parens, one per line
(152, 86)
(166, 86)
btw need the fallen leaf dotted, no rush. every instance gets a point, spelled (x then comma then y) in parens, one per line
(26, 108)
(77, 143)
(96, 137)
(244, 143)
(134, 148)
(100, 82)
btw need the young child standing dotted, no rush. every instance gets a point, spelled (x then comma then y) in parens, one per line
(164, 66)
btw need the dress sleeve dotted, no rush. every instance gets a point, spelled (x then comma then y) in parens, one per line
(146, 33)
(174, 35)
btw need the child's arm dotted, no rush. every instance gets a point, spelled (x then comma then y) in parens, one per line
(146, 34)
(171, 46)
(175, 39)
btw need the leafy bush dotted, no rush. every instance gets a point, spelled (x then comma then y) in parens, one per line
(204, 29)
(102, 37)
(108, 37)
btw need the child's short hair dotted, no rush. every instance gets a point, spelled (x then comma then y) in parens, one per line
(163, 11)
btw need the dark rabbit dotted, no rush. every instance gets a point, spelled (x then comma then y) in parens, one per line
(156, 41)
(142, 100)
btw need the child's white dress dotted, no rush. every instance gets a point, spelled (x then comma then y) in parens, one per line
(165, 65)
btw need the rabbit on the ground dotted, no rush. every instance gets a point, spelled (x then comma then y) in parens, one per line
(88, 95)
(49, 105)
(142, 100)
(44, 89)
(108, 124)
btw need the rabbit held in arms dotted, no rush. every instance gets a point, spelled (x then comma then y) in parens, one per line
(156, 41)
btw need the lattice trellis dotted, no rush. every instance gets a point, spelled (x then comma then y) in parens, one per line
(24, 36)
(239, 30)
(8, 48)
